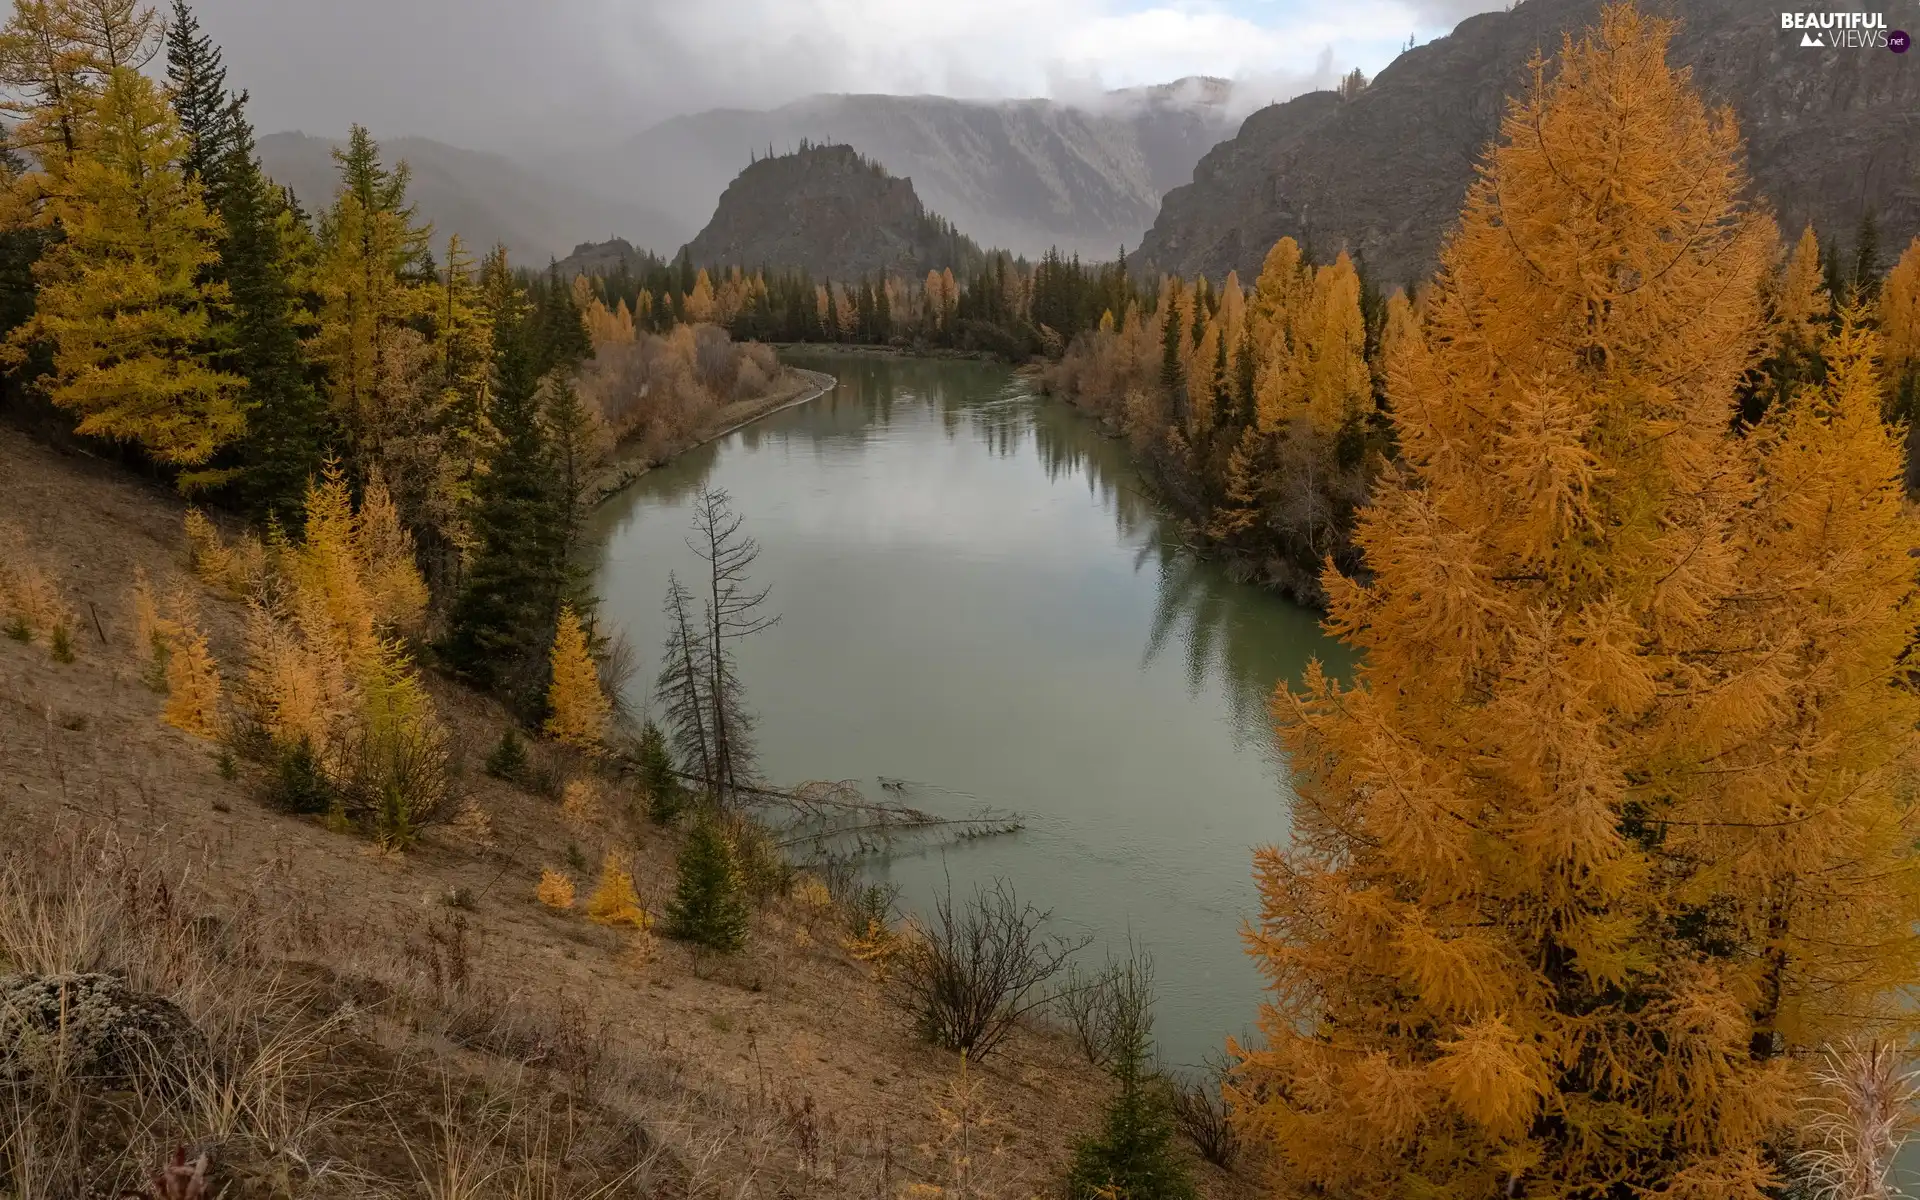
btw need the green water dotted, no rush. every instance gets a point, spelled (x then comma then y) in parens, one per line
(977, 597)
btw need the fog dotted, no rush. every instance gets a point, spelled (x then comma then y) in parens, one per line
(523, 75)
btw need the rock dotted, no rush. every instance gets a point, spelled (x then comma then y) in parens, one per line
(1383, 174)
(832, 212)
(106, 1031)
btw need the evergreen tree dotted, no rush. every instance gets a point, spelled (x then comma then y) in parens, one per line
(1612, 826)
(502, 620)
(287, 421)
(709, 906)
(1132, 1156)
(655, 768)
(210, 118)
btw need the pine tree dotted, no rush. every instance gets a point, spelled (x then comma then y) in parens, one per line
(288, 430)
(1610, 828)
(733, 614)
(123, 297)
(501, 623)
(1900, 333)
(210, 118)
(655, 768)
(1133, 1153)
(578, 708)
(709, 907)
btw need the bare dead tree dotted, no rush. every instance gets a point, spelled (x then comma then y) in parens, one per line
(734, 612)
(680, 687)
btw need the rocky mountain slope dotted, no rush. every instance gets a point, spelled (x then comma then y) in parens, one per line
(831, 211)
(1022, 174)
(484, 198)
(1829, 132)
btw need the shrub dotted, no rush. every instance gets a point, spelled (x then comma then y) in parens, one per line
(297, 783)
(708, 906)
(978, 968)
(1200, 1113)
(508, 760)
(61, 647)
(554, 889)
(1099, 1007)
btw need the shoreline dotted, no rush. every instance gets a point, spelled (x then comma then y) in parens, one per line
(814, 384)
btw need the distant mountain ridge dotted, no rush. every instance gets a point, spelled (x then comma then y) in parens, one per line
(1019, 174)
(1829, 134)
(485, 198)
(832, 212)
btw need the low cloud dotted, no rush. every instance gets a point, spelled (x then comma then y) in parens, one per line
(514, 75)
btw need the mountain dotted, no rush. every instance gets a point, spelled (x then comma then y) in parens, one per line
(1829, 132)
(1019, 174)
(484, 198)
(832, 212)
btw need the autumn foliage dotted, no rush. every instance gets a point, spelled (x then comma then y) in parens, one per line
(579, 709)
(1612, 829)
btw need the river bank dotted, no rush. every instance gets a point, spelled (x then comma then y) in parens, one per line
(801, 387)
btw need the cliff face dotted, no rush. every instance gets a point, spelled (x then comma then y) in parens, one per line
(831, 212)
(1019, 174)
(1829, 131)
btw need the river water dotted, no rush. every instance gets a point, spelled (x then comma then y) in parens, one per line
(977, 597)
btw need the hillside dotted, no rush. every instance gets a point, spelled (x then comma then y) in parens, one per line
(1827, 132)
(382, 1019)
(832, 212)
(484, 198)
(1022, 174)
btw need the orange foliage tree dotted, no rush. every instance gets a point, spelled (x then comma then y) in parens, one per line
(1611, 826)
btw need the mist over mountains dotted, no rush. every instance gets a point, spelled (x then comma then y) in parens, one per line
(1024, 175)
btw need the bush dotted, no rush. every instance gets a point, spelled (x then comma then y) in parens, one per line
(298, 784)
(62, 646)
(1099, 1007)
(1133, 1154)
(708, 907)
(979, 968)
(508, 760)
(1200, 1113)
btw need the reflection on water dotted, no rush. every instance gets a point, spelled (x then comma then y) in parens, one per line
(978, 596)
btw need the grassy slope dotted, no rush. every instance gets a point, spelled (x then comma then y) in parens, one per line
(422, 1026)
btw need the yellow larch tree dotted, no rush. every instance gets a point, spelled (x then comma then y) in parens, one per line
(1900, 331)
(123, 295)
(578, 708)
(700, 302)
(1331, 347)
(1800, 303)
(1610, 828)
(614, 901)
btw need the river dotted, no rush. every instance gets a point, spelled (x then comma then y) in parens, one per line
(977, 596)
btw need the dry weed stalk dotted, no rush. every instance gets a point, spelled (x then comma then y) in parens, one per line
(1860, 1120)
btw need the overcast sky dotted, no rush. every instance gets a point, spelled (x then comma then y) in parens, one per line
(508, 74)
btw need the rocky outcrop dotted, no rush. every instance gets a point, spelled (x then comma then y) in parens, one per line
(91, 1026)
(1831, 132)
(829, 211)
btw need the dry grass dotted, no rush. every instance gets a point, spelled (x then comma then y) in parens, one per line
(419, 1024)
